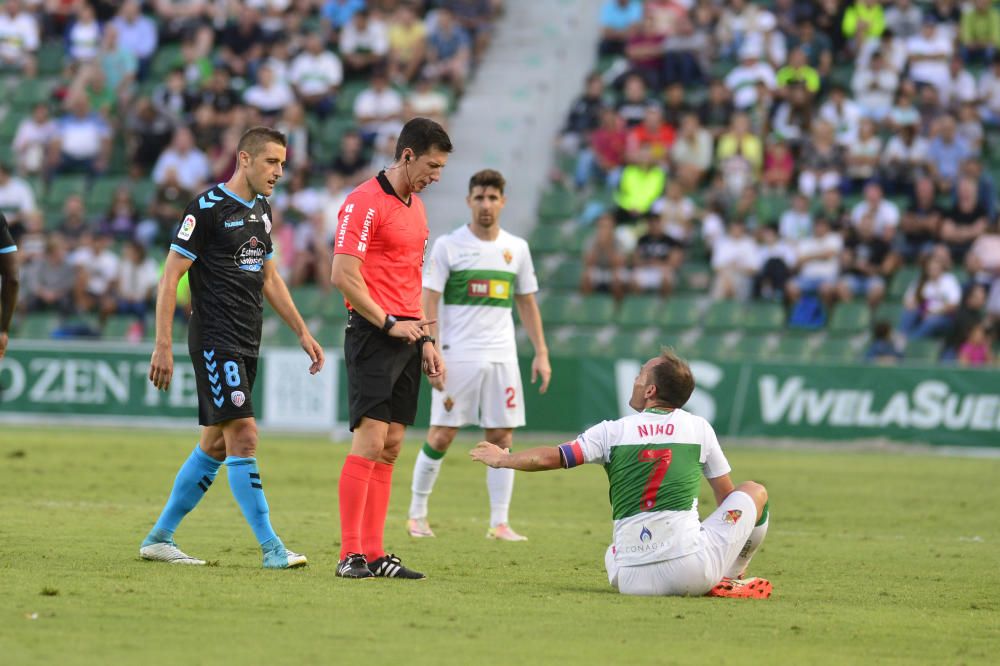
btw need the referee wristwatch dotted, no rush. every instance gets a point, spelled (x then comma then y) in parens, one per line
(390, 321)
(426, 338)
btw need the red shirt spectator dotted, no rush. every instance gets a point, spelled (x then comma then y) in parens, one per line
(652, 133)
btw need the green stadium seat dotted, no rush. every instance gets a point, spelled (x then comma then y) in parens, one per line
(724, 316)
(348, 93)
(310, 300)
(890, 312)
(639, 311)
(102, 193)
(838, 349)
(547, 238)
(558, 203)
(707, 346)
(764, 317)
(36, 326)
(62, 187)
(680, 312)
(901, 282)
(593, 310)
(567, 275)
(922, 351)
(850, 318)
(50, 58)
(117, 327)
(167, 57)
(793, 347)
(694, 278)
(750, 347)
(556, 310)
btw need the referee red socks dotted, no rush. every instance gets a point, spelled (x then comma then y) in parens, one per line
(376, 509)
(355, 478)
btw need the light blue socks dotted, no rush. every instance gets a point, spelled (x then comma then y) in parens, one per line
(244, 480)
(192, 481)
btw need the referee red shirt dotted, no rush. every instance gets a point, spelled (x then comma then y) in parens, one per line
(390, 238)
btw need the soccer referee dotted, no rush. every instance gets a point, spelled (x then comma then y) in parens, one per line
(378, 258)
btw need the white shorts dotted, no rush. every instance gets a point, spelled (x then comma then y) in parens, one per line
(480, 393)
(697, 573)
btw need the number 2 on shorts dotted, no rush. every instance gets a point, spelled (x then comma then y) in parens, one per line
(511, 394)
(661, 463)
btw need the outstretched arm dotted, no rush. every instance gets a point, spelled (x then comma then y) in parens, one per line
(276, 293)
(538, 459)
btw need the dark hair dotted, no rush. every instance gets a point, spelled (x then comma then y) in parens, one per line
(421, 135)
(882, 330)
(255, 138)
(487, 178)
(672, 378)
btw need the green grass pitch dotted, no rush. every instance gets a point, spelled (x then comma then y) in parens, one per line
(875, 558)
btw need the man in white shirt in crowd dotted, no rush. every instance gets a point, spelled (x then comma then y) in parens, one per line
(818, 264)
(928, 53)
(734, 262)
(378, 110)
(885, 213)
(137, 34)
(742, 80)
(364, 44)
(17, 199)
(316, 75)
(19, 39)
(83, 140)
(184, 158)
(874, 87)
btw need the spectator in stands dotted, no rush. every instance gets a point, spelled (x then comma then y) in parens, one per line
(316, 74)
(862, 156)
(970, 313)
(796, 223)
(655, 260)
(842, 113)
(241, 43)
(34, 133)
(832, 207)
(180, 17)
(817, 46)
(874, 88)
(904, 18)
(883, 349)
(798, 71)
(884, 213)
(618, 18)
(677, 214)
(584, 115)
(979, 33)
(744, 24)
(961, 88)
(739, 145)
(930, 301)
(691, 153)
(269, 95)
(426, 101)
(734, 263)
(137, 35)
(970, 129)
(75, 223)
(868, 263)
(945, 154)
(407, 34)
(364, 44)
(818, 265)
(642, 182)
(121, 218)
(793, 118)
(190, 164)
(83, 38)
(742, 80)
(716, 111)
(378, 109)
(448, 51)
(989, 93)
(774, 262)
(475, 17)
(863, 21)
(149, 132)
(83, 140)
(928, 53)
(644, 50)
(675, 104)
(134, 288)
(685, 54)
(604, 153)
(905, 158)
(822, 163)
(166, 208)
(293, 125)
(47, 282)
(118, 65)
(17, 199)
(604, 261)
(977, 350)
(351, 164)
(779, 166)
(652, 134)
(921, 223)
(635, 100)
(965, 222)
(171, 97)
(298, 202)
(96, 267)
(982, 261)
(19, 39)
(338, 13)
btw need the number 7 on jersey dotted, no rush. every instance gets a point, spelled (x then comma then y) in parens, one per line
(661, 463)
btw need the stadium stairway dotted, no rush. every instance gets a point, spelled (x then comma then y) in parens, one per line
(511, 113)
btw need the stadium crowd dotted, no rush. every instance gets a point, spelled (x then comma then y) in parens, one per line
(118, 113)
(807, 152)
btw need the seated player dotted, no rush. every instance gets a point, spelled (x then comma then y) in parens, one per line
(654, 461)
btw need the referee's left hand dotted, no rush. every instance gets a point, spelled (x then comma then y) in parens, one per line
(432, 364)
(314, 351)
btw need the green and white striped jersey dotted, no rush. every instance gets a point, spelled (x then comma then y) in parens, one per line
(655, 461)
(478, 280)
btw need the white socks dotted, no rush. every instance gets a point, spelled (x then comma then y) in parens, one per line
(425, 473)
(500, 483)
(739, 566)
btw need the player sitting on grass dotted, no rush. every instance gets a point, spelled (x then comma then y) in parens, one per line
(654, 462)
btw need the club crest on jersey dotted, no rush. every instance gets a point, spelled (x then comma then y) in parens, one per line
(187, 227)
(250, 256)
(732, 516)
(238, 398)
(508, 256)
(448, 404)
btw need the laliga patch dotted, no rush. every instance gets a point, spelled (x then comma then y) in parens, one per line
(732, 516)
(238, 398)
(187, 227)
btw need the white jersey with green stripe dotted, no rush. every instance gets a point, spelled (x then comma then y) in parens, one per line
(655, 461)
(478, 281)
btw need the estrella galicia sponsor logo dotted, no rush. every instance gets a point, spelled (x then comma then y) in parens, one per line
(233, 224)
(645, 535)
(250, 256)
(238, 398)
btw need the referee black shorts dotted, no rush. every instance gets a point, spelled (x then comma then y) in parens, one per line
(225, 383)
(383, 374)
